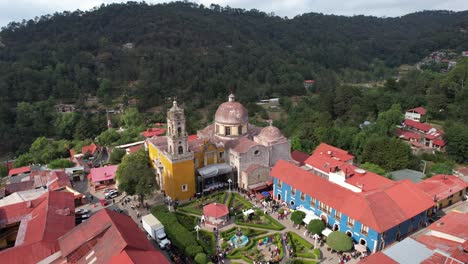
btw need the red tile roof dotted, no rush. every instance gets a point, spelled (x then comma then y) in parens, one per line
(18, 186)
(442, 186)
(451, 230)
(407, 135)
(215, 210)
(299, 156)
(454, 223)
(57, 180)
(416, 125)
(103, 173)
(152, 132)
(90, 148)
(419, 110)
(192, 137)
(309, 81)
(434, 135)
(43, 221)
(380, 209)
(336, 153)
(137, 257)
(109, 236)
(241, 145)
(439, 142)
(20, 170)
(377, 258)
(134, 149)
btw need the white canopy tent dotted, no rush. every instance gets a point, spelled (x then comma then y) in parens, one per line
(309, 214)
(326, 232)
(214, 170)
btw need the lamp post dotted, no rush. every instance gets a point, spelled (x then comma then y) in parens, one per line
(197, 228)
(315, 237)
(229, 182)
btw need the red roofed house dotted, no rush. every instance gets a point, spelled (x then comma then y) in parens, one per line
(420, 127)
(153, 132)
(376, 217)
(21, 170)
(100, 177)
(407, 135)
(416, 113)
(449, 235)
(30, 230)
(308, 83)
(108, 237)
(92, 150)
(215, 213)
(444, 189)
(134, 149)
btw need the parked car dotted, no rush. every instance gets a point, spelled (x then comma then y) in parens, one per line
(81, 211)
(112, 195)
(103, 202)
(109, 190)
(84, 216)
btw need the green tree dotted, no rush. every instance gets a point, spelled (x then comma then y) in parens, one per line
(60, 163)
(316, 226)
(339, 241)
(297, 217)
(442, 167)
(135, 175)
(117, 155)
(109, 137)
(193, 250)
(23, 160)
(456, 136)
(201, 258)
(373, 168)
(132, 118)
(3, 171)
(389, 153)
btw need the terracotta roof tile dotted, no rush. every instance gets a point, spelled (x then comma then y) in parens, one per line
(380, 209)
(20, 170)
(442, 186)
(420, 110)
(419, 126)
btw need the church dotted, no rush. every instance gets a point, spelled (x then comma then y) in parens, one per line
(228, 150)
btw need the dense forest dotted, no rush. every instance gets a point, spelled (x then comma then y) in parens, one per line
(199, 53)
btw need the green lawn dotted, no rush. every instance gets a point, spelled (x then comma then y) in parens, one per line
(302, 248)
(196, 206)
(260, 220)
(238, 203)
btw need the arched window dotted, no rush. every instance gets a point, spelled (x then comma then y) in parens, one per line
(228, 131)
(179, 131)
(181, 149)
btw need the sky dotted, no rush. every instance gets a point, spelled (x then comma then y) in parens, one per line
(17, 10)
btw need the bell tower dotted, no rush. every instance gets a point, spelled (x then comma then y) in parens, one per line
(176, 133)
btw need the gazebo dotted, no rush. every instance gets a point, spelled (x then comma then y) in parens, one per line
(215, 213)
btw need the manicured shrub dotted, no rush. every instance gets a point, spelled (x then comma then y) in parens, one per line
(339, 241)
(316, 226)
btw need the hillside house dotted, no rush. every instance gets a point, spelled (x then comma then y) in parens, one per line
(415, 114)
(444, 189)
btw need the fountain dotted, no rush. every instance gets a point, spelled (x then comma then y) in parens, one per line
(239, 240)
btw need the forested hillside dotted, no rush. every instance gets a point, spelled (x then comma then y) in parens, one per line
(197, 53)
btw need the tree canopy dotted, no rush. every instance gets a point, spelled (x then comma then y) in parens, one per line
(316, 226)
(297, 217)
(135, 175)
(339, 241)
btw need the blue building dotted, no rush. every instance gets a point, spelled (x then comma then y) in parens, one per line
(374, 218)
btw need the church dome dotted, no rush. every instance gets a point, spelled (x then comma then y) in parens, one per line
(270, 133)
(231, 113)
